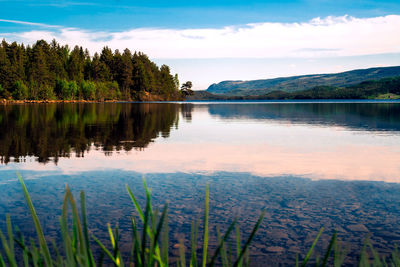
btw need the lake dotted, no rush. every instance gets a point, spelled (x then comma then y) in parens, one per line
(331, 164)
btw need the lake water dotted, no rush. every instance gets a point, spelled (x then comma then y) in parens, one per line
(307, 164)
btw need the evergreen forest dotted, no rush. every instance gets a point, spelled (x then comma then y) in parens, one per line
(50, 71)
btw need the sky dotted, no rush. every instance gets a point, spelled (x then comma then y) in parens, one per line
(210, 41)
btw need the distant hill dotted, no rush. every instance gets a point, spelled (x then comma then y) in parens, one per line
(301, 83)
(385, 88)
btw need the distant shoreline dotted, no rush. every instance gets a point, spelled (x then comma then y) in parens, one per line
(5, 101)
(189, 101)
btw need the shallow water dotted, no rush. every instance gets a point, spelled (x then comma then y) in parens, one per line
(308, 164)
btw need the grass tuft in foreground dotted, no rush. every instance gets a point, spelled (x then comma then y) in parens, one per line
(149, 246)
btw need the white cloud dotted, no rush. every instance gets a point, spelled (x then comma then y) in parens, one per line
(319, 37)
(29, 23)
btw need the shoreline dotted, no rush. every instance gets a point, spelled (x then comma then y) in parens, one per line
(5, 101)
(11, 102)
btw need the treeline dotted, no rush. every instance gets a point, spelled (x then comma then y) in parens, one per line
(46, 71)
(365, 90)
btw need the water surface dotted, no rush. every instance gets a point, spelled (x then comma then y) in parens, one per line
(308, 164)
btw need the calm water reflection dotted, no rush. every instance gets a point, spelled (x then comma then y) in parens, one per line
(353, 141)
(234, 146)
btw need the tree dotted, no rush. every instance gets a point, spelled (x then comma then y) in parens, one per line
(1, 91)
(107, 91)
(20, 91)
(176, 81)
(5, 67)
(107, 58)
(66, 90)
(38, 70)
(58, 59)
(124, 69)
(99, 70)
(167, 81)
(88, 90)
(186, 88)
(76, 64)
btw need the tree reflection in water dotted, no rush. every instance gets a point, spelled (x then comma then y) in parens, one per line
(51, 131)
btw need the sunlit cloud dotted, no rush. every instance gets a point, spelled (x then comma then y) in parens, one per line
(319, 37)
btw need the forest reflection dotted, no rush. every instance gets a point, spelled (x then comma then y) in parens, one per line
(51, 131)
(373, 116)
(48, 132)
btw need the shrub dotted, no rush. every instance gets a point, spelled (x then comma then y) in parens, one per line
(88, 90)
(20, 91)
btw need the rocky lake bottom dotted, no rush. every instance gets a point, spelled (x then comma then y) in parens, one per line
(296, 208)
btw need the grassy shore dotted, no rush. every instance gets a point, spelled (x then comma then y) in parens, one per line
(387, 96)
(150, 245)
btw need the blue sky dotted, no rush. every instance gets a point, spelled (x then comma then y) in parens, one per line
(209, 41)
(123, 15)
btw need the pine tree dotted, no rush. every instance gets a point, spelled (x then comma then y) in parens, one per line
(125, 69)
(6, 76)
(76, 64)
(107, 58)
(38, 72)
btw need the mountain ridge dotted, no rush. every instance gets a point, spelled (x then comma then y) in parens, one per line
(301, 82)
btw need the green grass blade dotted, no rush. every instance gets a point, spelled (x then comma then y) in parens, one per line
(230, 254)
(136, 245)
(328, 251)
(7, 250)
(110, 233)
(59, 260)
(182, 253)
(106, 251)
(135, 203)
(193, 242)
(339, 255)
(247, 258)
(312, 248)
(151, 231)
(395, 260)
(42, 241)
(79, 239)
(89, 255)
(161, 223)
(144, 233)
(67, 243)
(219, 238)
(218, 250)
(2, 263)
(117, 252)
(246, 245)
(66, 240)
(205, 239)
(36, 260)
(148, 197)
(363, 262)
(21, 244)
(10, 234)
(238, 244)
(159, 230)
(165, 242)
(376, 257)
